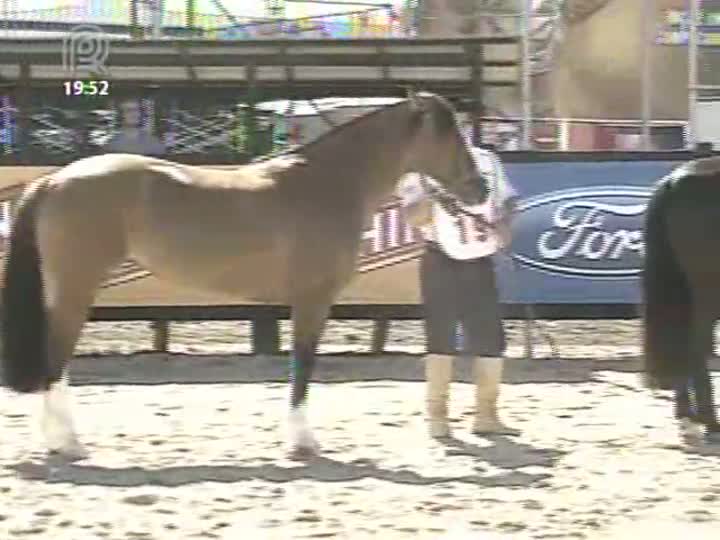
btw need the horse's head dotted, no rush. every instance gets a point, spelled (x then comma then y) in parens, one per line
(441, 150)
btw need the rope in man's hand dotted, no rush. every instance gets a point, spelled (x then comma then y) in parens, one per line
(451, 203)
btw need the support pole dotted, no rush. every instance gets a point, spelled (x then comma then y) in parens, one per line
(161, 336)
(157, 17)
(23, 103)
(563, 131)
(478, 97)
(648, 41)
(266, 335)
(526, 139)
(529, 324)
(135, 30)
(190, 14)
(379, 336)
(250, 118)
(691, 135)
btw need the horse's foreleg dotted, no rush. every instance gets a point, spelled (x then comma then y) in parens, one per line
(308, 321)
(302, 365)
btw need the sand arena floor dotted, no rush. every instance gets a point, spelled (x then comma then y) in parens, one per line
(192, 445)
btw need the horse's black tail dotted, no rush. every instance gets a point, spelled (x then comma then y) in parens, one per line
(667, 308)
(25, 363)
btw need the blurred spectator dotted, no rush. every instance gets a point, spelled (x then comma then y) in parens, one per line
(133, 137)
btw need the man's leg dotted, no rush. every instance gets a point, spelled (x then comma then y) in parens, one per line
(485, 341)
(437, 285)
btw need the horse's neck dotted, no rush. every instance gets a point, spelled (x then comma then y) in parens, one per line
(369, 156)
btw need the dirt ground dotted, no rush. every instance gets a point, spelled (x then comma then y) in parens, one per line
(193, 445)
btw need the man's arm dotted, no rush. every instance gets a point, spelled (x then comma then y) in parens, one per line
(507, 201)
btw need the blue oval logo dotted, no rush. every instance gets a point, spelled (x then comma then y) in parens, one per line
(587, 232)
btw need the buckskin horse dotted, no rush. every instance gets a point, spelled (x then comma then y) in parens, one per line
(286, 230)
(681, 295)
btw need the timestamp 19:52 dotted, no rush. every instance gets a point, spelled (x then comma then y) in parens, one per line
(86, 88)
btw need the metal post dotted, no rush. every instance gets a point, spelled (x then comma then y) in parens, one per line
(691, 134)
(526, 75)
(266, 335)
(135, 30)
(161, 336)
(564, 135)
(157, 17)
(23, 104)
(190, 14)
(379, 336)
(647, 33)
(478, 94)
(250, 118)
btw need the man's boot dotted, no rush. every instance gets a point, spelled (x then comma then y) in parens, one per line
(487, 375)
(438, 375)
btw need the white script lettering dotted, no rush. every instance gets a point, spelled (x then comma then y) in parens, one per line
(578, 230)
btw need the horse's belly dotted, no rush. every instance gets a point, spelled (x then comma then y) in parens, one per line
(252, 276)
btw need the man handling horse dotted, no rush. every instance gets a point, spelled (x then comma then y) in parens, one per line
(458, 286)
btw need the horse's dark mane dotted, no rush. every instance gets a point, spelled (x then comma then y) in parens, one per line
(441, 111)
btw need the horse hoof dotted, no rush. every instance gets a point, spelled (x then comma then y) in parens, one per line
(304, 453)
(70, 454)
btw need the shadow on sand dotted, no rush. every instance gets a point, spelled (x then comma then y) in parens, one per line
(505, 454)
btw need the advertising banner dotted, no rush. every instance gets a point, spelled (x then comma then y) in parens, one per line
(578, 235)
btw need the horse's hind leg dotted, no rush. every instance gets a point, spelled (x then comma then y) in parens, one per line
(685, 412)
(704, 400)
(700, 383)
(70, 281)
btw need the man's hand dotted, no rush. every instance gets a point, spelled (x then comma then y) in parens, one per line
(503, 233)
(503, 226)
(419, 214)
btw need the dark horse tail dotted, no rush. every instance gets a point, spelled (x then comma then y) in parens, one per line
(25, 362)
(667, 309)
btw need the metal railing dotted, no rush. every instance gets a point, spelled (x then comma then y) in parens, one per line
(556, 134)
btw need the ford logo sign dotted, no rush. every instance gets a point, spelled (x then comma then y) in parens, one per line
(587, 232)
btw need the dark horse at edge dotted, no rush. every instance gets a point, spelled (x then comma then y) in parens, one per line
(681, 292)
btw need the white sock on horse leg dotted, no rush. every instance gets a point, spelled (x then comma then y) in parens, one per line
(300, 434)
(57, 420)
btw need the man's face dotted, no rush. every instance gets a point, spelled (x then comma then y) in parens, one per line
(131, 114)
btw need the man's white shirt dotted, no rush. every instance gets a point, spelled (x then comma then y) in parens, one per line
(460, 237)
